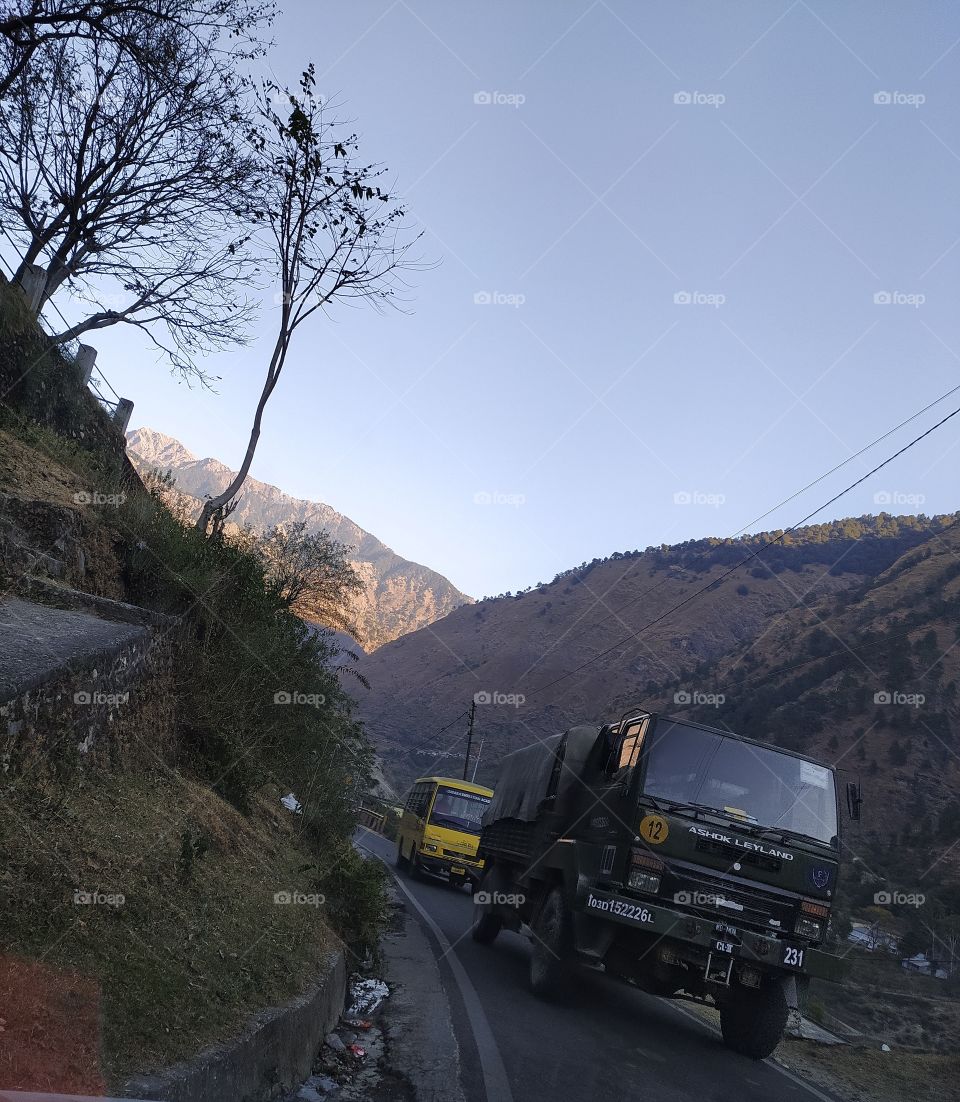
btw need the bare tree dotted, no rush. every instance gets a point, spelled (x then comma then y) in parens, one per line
(26, 26)
(128, 181)
(331, 231)
(311, 573)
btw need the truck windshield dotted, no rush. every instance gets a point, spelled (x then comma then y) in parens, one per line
(458, 809)
(758, 785)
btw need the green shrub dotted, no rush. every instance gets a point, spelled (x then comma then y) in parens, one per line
(356, 898)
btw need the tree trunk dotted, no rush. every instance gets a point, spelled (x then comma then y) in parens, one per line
(212, 504)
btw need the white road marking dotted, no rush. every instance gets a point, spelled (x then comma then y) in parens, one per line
(496, 1085)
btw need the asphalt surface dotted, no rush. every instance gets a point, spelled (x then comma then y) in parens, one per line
(609, 1041)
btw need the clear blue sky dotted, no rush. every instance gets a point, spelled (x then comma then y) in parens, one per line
(585, 398)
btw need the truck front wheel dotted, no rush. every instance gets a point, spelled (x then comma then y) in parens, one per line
(550, 961)
(752, 1020)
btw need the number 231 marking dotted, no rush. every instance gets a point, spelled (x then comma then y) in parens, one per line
(793, 957)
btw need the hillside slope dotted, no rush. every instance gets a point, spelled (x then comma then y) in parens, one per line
(510, 649)
(869, 682)
(399, 596)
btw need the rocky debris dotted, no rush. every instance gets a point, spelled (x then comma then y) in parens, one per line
(334, 1042)
(346, 1070)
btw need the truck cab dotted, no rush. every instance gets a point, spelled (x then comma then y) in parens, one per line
(680, 857)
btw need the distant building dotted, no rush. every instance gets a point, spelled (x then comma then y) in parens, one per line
(873, 938)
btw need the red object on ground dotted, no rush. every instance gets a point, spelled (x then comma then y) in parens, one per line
(50, 1039)
(357, 1051)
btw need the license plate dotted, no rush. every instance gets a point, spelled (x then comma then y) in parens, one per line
(723, 946)
(458, 870)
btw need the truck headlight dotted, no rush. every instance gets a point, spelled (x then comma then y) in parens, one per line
(645, 872)
(812, 920)
(644, 881)
(809, 927)
(430, 847)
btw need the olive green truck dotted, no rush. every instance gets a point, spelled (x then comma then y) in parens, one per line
(688, 861)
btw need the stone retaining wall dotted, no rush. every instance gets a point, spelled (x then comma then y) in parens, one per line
(273, 1055)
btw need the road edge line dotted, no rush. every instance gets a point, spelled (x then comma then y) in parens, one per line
(496, 1084)
(770, 1063)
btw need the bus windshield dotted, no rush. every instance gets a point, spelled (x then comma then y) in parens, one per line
(457, 809)
(753, 784)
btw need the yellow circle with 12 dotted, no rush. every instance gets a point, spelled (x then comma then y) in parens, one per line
(654, 829)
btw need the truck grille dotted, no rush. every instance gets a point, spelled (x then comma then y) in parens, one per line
(734, 853)
(715, 897)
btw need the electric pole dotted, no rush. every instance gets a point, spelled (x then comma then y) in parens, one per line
(466, 760)
(476, 764)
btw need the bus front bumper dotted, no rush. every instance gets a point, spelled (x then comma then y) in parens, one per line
(452, 868)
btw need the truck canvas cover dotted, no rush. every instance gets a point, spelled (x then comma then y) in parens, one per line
(526, 774)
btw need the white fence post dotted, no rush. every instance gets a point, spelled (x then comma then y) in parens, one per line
(85, 359)
(122, 416)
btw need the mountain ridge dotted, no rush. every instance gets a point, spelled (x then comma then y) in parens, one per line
(399, 595)
(515, 646)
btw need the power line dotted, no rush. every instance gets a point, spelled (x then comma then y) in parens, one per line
(753, 555)
(792, 497)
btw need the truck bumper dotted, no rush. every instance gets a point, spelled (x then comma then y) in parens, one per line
(704, 936)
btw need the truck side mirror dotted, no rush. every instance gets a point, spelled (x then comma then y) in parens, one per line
(854, 800)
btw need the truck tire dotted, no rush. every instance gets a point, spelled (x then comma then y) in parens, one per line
(753, 1020)
(550, 961)
(486, 926)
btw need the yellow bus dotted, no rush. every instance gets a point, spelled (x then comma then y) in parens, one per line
(440, 829)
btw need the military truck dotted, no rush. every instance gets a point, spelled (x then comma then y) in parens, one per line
(686, 860)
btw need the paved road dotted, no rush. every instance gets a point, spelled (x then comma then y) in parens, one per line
(610, 1042)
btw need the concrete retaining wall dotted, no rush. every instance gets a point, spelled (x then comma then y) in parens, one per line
(272, 1056)
(77, 690)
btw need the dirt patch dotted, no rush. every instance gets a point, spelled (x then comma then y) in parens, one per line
(863, 1074)
(27, 475)
(870, 1075)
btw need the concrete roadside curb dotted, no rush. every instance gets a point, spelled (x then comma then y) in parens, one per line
(271, 1057)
